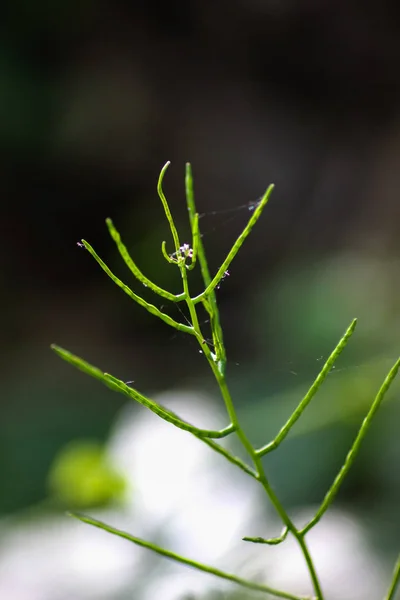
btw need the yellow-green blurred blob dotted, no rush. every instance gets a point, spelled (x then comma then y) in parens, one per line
(81, 477)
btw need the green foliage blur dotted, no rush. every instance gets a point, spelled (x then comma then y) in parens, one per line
(81, 478)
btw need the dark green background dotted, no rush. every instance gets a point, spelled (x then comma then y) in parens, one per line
(94, 98)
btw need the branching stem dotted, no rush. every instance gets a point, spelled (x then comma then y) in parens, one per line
(186, 258)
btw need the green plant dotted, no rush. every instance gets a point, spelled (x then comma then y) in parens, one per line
(185, 257)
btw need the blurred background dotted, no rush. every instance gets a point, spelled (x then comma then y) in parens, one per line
(95, 97)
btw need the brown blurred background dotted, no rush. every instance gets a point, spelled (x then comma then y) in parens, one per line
(94, 98)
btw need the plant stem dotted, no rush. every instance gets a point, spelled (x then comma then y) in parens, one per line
(333, 490)
(251, 585)
(395, 581)
(262, 478)
(211, 303)
(311, 392)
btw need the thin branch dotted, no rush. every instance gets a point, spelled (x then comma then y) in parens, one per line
(354, 448)
(311, 392)
(236, 246)
(235, 460)
(395, 581)
(195, 241)
(167, 257)
(187, 561)
(269, 541)
(211, 301)
(149, 307)
(167, 209)
(122, 249)
(120, 386)
(165, 413)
